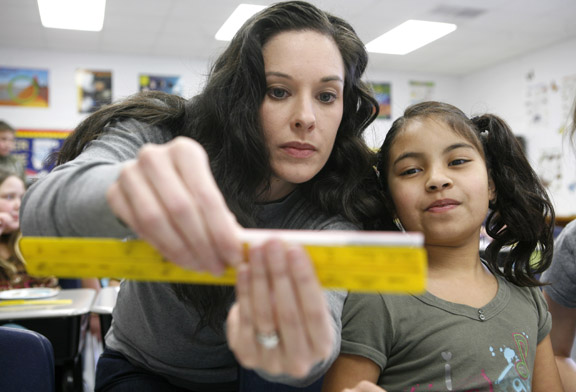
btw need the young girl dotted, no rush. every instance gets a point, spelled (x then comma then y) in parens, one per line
(481, 325)
(13, 273)
(274, 140)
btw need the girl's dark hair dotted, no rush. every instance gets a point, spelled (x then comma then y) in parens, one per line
(521, 216)
(224, 118)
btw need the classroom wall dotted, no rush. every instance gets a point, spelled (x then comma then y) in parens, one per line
(534, 93)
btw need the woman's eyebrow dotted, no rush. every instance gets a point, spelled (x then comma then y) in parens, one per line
(325, 79)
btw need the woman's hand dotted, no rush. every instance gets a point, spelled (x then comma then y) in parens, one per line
(280, 322)
(169, 198)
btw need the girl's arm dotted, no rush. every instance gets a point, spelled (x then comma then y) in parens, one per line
(562, 337)
(348, 371)
(546, 377)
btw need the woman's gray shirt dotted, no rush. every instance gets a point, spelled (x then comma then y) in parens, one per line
(151, 326)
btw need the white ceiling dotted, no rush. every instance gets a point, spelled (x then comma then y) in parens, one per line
(489, 31)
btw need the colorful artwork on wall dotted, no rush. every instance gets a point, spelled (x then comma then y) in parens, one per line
(33, 147)
(94, 89)
(167, 84)
(24, 87)
(383, 96)
(421, 91)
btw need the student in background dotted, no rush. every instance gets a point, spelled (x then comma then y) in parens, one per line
(7, 161)
(561, 296)
(479, 326)
(13, 273)
(274, 140)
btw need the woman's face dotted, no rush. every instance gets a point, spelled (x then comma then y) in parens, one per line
(303, 106)
(11, 192)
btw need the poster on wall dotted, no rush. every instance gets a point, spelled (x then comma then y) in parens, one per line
(24, 87)
(33, 147)
(94, 89)
(421, 91)
(167, 84)
(382, 95)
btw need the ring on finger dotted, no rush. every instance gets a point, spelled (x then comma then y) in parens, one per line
(268, 340)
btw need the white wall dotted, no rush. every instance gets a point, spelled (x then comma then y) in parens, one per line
(504, 89)
(541, 84)
(62, 113)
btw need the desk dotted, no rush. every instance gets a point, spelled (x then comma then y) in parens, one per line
(103, 305)
(64, 325)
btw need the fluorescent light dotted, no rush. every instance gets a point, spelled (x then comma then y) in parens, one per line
(240, 15)
(409, 36)
(72, 14)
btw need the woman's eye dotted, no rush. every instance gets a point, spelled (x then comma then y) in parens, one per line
(8, 197)
(277, 93)
(327, 97)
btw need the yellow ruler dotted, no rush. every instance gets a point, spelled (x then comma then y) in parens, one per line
(360, 261)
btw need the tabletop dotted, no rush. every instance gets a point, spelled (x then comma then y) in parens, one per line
(81, 303)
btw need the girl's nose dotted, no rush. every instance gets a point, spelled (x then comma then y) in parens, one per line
(437, 181)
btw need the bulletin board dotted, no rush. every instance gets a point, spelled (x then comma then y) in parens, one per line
(33, 147)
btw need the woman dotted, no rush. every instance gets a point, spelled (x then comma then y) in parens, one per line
(274, 140)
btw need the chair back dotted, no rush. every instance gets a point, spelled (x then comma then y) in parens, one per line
(26, 361)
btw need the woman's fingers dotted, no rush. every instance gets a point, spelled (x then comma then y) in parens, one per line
(311, 299)
(286, 309)
(169, 198)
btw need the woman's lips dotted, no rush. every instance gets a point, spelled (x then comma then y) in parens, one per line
(298, 150)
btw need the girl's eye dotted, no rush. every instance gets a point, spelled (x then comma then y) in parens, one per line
(8, 197)
(277, 93)
(457, 162)
(327, 97)
(409, 171)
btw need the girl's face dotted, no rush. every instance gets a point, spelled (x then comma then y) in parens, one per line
(439, 183)
(303, 106)
(11, 192)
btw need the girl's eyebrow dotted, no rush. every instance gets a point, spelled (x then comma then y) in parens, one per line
(451, 147)
(323, 80)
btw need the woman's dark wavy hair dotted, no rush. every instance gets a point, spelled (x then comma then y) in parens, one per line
(521, 216)
(224, 118)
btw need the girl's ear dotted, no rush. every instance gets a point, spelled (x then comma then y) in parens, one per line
(492, 191)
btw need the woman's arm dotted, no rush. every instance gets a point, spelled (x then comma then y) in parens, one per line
(545, 376)
(348, 371)
(562, 337)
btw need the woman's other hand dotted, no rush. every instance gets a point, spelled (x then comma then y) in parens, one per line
(169, 198)
(280, 322)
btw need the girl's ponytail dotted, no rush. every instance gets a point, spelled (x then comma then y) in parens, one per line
(521, 215)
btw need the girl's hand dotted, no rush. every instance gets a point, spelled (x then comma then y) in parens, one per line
(169, 198)
(365, 386)
(281, 322)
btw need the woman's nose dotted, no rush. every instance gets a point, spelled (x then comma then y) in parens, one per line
(304, 116)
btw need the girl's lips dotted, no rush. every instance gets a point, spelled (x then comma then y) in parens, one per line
(442, 205)
(298, 150)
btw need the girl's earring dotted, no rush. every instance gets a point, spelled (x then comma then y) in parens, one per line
(399, 224)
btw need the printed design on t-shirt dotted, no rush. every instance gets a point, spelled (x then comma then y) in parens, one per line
(514, 376)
